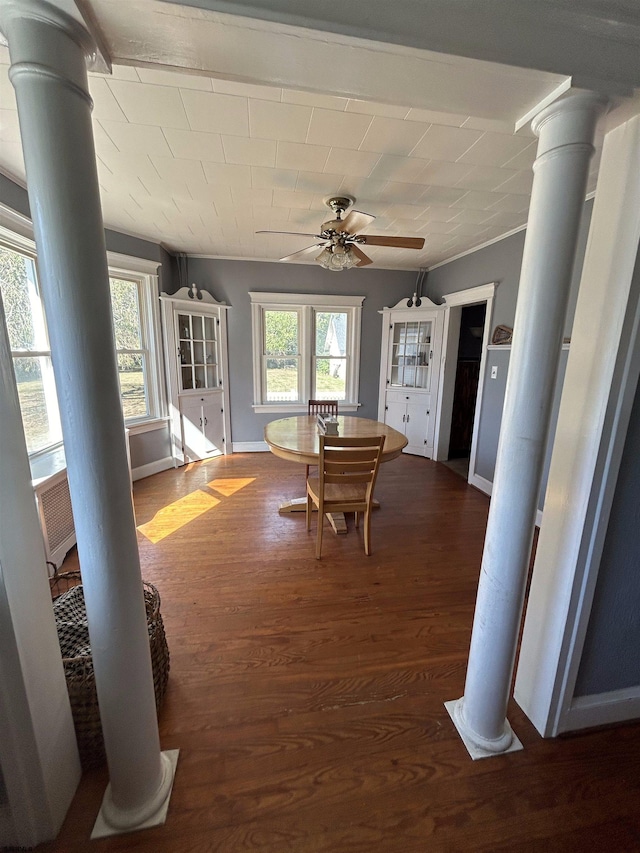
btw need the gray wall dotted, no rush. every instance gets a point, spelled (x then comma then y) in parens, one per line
(501, 263)
(231, 281)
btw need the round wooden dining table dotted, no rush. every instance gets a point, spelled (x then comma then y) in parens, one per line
(297, 439)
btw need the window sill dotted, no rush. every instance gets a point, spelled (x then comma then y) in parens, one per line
(138, 427)
(298, 408)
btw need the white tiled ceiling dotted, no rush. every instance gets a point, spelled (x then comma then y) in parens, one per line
(200, 164)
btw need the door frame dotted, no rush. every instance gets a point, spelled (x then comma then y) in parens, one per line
(454, 303)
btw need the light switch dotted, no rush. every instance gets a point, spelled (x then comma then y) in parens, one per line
(494, 371)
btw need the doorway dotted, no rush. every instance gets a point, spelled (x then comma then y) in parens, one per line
(466, 338)
(472, 320)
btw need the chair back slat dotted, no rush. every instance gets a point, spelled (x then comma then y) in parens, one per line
(349, 460)
(347, 472)
(322, 407)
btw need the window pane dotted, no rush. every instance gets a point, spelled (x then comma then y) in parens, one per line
(281, 332)
(37, 393)
(21, 300)
(126, 313)
(331, 379)
(331, 333)
(131, 370)
(282, 380)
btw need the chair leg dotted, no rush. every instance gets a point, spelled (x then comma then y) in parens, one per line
(367, 532)
(309, 511)
(319, 534)
(357, 515)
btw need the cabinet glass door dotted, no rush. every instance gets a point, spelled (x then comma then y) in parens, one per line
(197, 352)
(411, 354)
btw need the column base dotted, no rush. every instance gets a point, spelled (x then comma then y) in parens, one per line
(114, 821)
(478, 746)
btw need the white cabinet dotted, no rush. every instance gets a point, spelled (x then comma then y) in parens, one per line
(195, 336)
(409, 372)
(202, 426)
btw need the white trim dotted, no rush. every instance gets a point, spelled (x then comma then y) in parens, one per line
(306, 305)
(17, 224)
(560, 89)
(151, 468)
(295, 300)
(147, 426)
(144, 274)
(601, 709)
(129, 264)
(477, 248)
(250, 447)
(425, 303)
(453, 302)
(193, 295)
(599, 387)
(486, 486)
(480, 483)
(298, 408)
(471, 295)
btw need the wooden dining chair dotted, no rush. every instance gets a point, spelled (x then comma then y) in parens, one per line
(321, 407)
(347, 472)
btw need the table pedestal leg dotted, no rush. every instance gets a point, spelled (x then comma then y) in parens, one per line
(336, 519)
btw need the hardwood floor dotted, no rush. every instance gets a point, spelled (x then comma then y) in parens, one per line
(306, 697)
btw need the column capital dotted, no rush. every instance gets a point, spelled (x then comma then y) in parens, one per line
(64, 15)
(569, 120)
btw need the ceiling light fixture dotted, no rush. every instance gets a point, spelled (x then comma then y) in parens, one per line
(337, 258)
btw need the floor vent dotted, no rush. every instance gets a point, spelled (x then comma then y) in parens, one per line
(56, 517)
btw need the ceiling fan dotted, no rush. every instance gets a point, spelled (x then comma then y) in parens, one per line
(339, 241)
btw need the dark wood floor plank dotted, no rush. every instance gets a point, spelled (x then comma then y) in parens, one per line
(307, 697)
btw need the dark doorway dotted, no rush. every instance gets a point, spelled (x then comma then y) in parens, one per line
(467, 378)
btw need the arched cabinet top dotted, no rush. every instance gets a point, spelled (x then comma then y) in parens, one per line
(193, 295)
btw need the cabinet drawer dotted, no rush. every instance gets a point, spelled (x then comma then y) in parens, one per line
(401, 396)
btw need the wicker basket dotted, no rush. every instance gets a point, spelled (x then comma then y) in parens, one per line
(73, 635)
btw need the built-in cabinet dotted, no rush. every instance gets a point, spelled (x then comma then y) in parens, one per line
(195, 336)
(409, 372)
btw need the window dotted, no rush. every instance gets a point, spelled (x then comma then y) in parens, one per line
(133, 299)
(132, 306)
(29, 344)
(305, 347)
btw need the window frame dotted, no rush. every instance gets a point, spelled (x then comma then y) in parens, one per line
(145, 274)
(23, 245)
(16, 233)
(306, 305)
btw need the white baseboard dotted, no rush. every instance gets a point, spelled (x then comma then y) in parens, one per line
(486, 486)
(152, 468)
(602, 709)
(479, 482)
(250, 446)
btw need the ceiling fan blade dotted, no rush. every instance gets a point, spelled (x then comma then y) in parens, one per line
(364, 259)
(303, 253)
(397, 242)
(355, 221)
(295, 233)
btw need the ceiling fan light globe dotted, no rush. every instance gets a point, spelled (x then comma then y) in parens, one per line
(324, 259)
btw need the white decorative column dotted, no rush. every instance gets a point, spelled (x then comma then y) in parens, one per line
(565, 130)
(48, 50)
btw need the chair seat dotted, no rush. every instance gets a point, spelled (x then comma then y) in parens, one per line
(337, 492)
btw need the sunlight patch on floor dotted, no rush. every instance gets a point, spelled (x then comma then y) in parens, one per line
(174, 516)
(230, 486)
